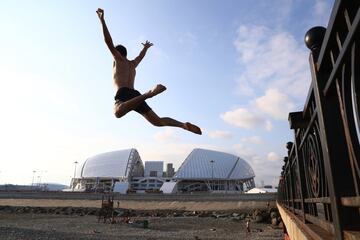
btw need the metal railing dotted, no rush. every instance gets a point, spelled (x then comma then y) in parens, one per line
(320, 179)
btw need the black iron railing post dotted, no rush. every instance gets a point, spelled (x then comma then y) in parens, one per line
(332, 147)
(334, 150)
(297, 122)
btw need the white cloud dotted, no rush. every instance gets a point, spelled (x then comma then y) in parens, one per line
(276, 104)
(188, 39)
(268, 126)
(322, 10)
(244, 88)
(244, 118)
(271, 59)
(273, 157)
(166, 135)
(273, 62)
(320, 7)
(253, 140)
(265, 167)
(244, 151)
(220, 134)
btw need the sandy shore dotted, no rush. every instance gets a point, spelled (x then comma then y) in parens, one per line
(60, 216)
(53, 227)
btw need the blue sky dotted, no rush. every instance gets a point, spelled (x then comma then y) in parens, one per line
(235, 68)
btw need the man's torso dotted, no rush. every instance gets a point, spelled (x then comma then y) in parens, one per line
(124, 73)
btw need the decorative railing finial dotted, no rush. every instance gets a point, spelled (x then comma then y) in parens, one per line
(314, 38)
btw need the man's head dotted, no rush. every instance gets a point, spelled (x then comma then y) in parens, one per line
(122, 50)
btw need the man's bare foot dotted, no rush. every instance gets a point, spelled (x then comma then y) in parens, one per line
(156, 90)
(192, 128)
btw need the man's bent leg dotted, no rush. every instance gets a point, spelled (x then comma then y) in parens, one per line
(154, 119)
(123, 108)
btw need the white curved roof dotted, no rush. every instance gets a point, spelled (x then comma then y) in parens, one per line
(116, 164)
(198, 165)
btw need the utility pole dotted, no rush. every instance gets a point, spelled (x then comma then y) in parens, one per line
(212, 174)
(32, 182)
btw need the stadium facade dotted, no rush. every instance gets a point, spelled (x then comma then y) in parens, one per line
(203, 170)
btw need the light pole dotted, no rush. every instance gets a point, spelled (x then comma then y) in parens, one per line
(212, 174)
(32, 182)
(43, 176)
(75, 168)
(39, 180)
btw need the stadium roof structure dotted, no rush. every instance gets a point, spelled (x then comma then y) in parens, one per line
(116, 164)
(204, 164)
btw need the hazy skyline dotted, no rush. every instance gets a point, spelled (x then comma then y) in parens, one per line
(235, 68)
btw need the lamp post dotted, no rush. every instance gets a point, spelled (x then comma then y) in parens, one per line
(212, 174)
(73, 179)
(32, 182)
(39, 180)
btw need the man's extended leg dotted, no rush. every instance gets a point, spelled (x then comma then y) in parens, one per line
(154, 119)
(123, 108)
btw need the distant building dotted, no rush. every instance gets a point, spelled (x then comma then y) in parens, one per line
(170, 171)
(154, 169)
(208, 170)
(123, 171)
(108, 171)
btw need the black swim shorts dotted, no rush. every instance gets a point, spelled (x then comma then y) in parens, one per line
(124, 94)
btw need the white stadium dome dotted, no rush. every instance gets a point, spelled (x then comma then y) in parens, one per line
(116, 164)
(209, 170)
(106, 171)
(209, 164)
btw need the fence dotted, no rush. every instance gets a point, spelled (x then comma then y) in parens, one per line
(320, 181)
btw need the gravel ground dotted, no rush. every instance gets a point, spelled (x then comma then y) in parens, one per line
(51, 226)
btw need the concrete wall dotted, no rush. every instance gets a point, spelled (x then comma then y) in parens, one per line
(200, 202)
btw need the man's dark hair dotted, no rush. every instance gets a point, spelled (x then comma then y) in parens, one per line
(122, 50)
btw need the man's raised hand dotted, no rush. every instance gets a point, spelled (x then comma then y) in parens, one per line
(147, 44)
(100, 13)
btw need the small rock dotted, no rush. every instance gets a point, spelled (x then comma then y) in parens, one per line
(243, 216)
(274, 222)
(204, 214)
(281, 225)
(258, 218)
(274, 214)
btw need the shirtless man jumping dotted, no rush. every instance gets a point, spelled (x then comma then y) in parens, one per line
(127, 98)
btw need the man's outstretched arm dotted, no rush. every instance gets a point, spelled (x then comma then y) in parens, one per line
(146, 45)
(107, 36)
